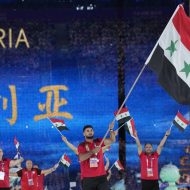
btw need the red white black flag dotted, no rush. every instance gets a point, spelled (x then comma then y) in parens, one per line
(170, 58)
(180, 121)
(59, 124)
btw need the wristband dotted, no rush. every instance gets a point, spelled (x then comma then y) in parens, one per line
(111, 129)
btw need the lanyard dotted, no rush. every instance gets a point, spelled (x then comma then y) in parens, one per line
(28, 175)
(2, 166)
(151, 162)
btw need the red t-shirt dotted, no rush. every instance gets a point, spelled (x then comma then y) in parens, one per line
(29, 179)
(86, 170)
(149, 164)
(40, 182)
(4, 167)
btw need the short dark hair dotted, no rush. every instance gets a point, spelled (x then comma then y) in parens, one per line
(147, 143)
(87, 126)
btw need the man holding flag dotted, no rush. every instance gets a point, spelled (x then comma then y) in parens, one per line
(29, 175)
(92, 160)
(149, 162)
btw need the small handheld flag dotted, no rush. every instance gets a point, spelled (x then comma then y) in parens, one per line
(123, 116)
(17, 156)
(65, 160)
(59, 124)
(131, 127)
(17, 144)
(180, 121)
(118, 165)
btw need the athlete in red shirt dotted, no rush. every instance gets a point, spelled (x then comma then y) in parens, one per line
(149, 163)
(40, 178)
(5, 164)
(92, 160)
(29, 176)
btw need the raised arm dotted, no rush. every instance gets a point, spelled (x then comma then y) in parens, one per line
(15, 162)
(71, 146)
(162, 142)
(50, 170)
(139, 146)
(110, 140)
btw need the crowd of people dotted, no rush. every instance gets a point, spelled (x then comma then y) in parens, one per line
(94, 174)
(98, 40)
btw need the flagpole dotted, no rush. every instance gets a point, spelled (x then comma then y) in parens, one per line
(60, 159)
(120, 126)
(171, 126)
(55, 127)
(112, 166)
(147, 60)
(131, 89)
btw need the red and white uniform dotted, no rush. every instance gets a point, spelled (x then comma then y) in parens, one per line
(4, 173)
(93, 166)
(29, 179)
(149, 166)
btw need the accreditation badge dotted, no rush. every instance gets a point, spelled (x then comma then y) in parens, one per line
(149, 172)
(94, 162)
(30, 182)
(2, 175)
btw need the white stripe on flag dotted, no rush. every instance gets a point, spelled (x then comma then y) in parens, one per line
(122, 115)
(58, 124)
(118, 165)
(180, 55)
(180, 122)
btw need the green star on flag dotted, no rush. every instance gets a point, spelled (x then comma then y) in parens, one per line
(172, 47)
(168, 59)
(186, 69)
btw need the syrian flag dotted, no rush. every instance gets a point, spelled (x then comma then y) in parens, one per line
(65, 160)
(17, 156)
(17, 144)
(130, 126)
(180, 121)
(59, 124)
(170, 58)
(123, 116)
(118, 165)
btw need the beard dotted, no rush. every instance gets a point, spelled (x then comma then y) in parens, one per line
(90, 137)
